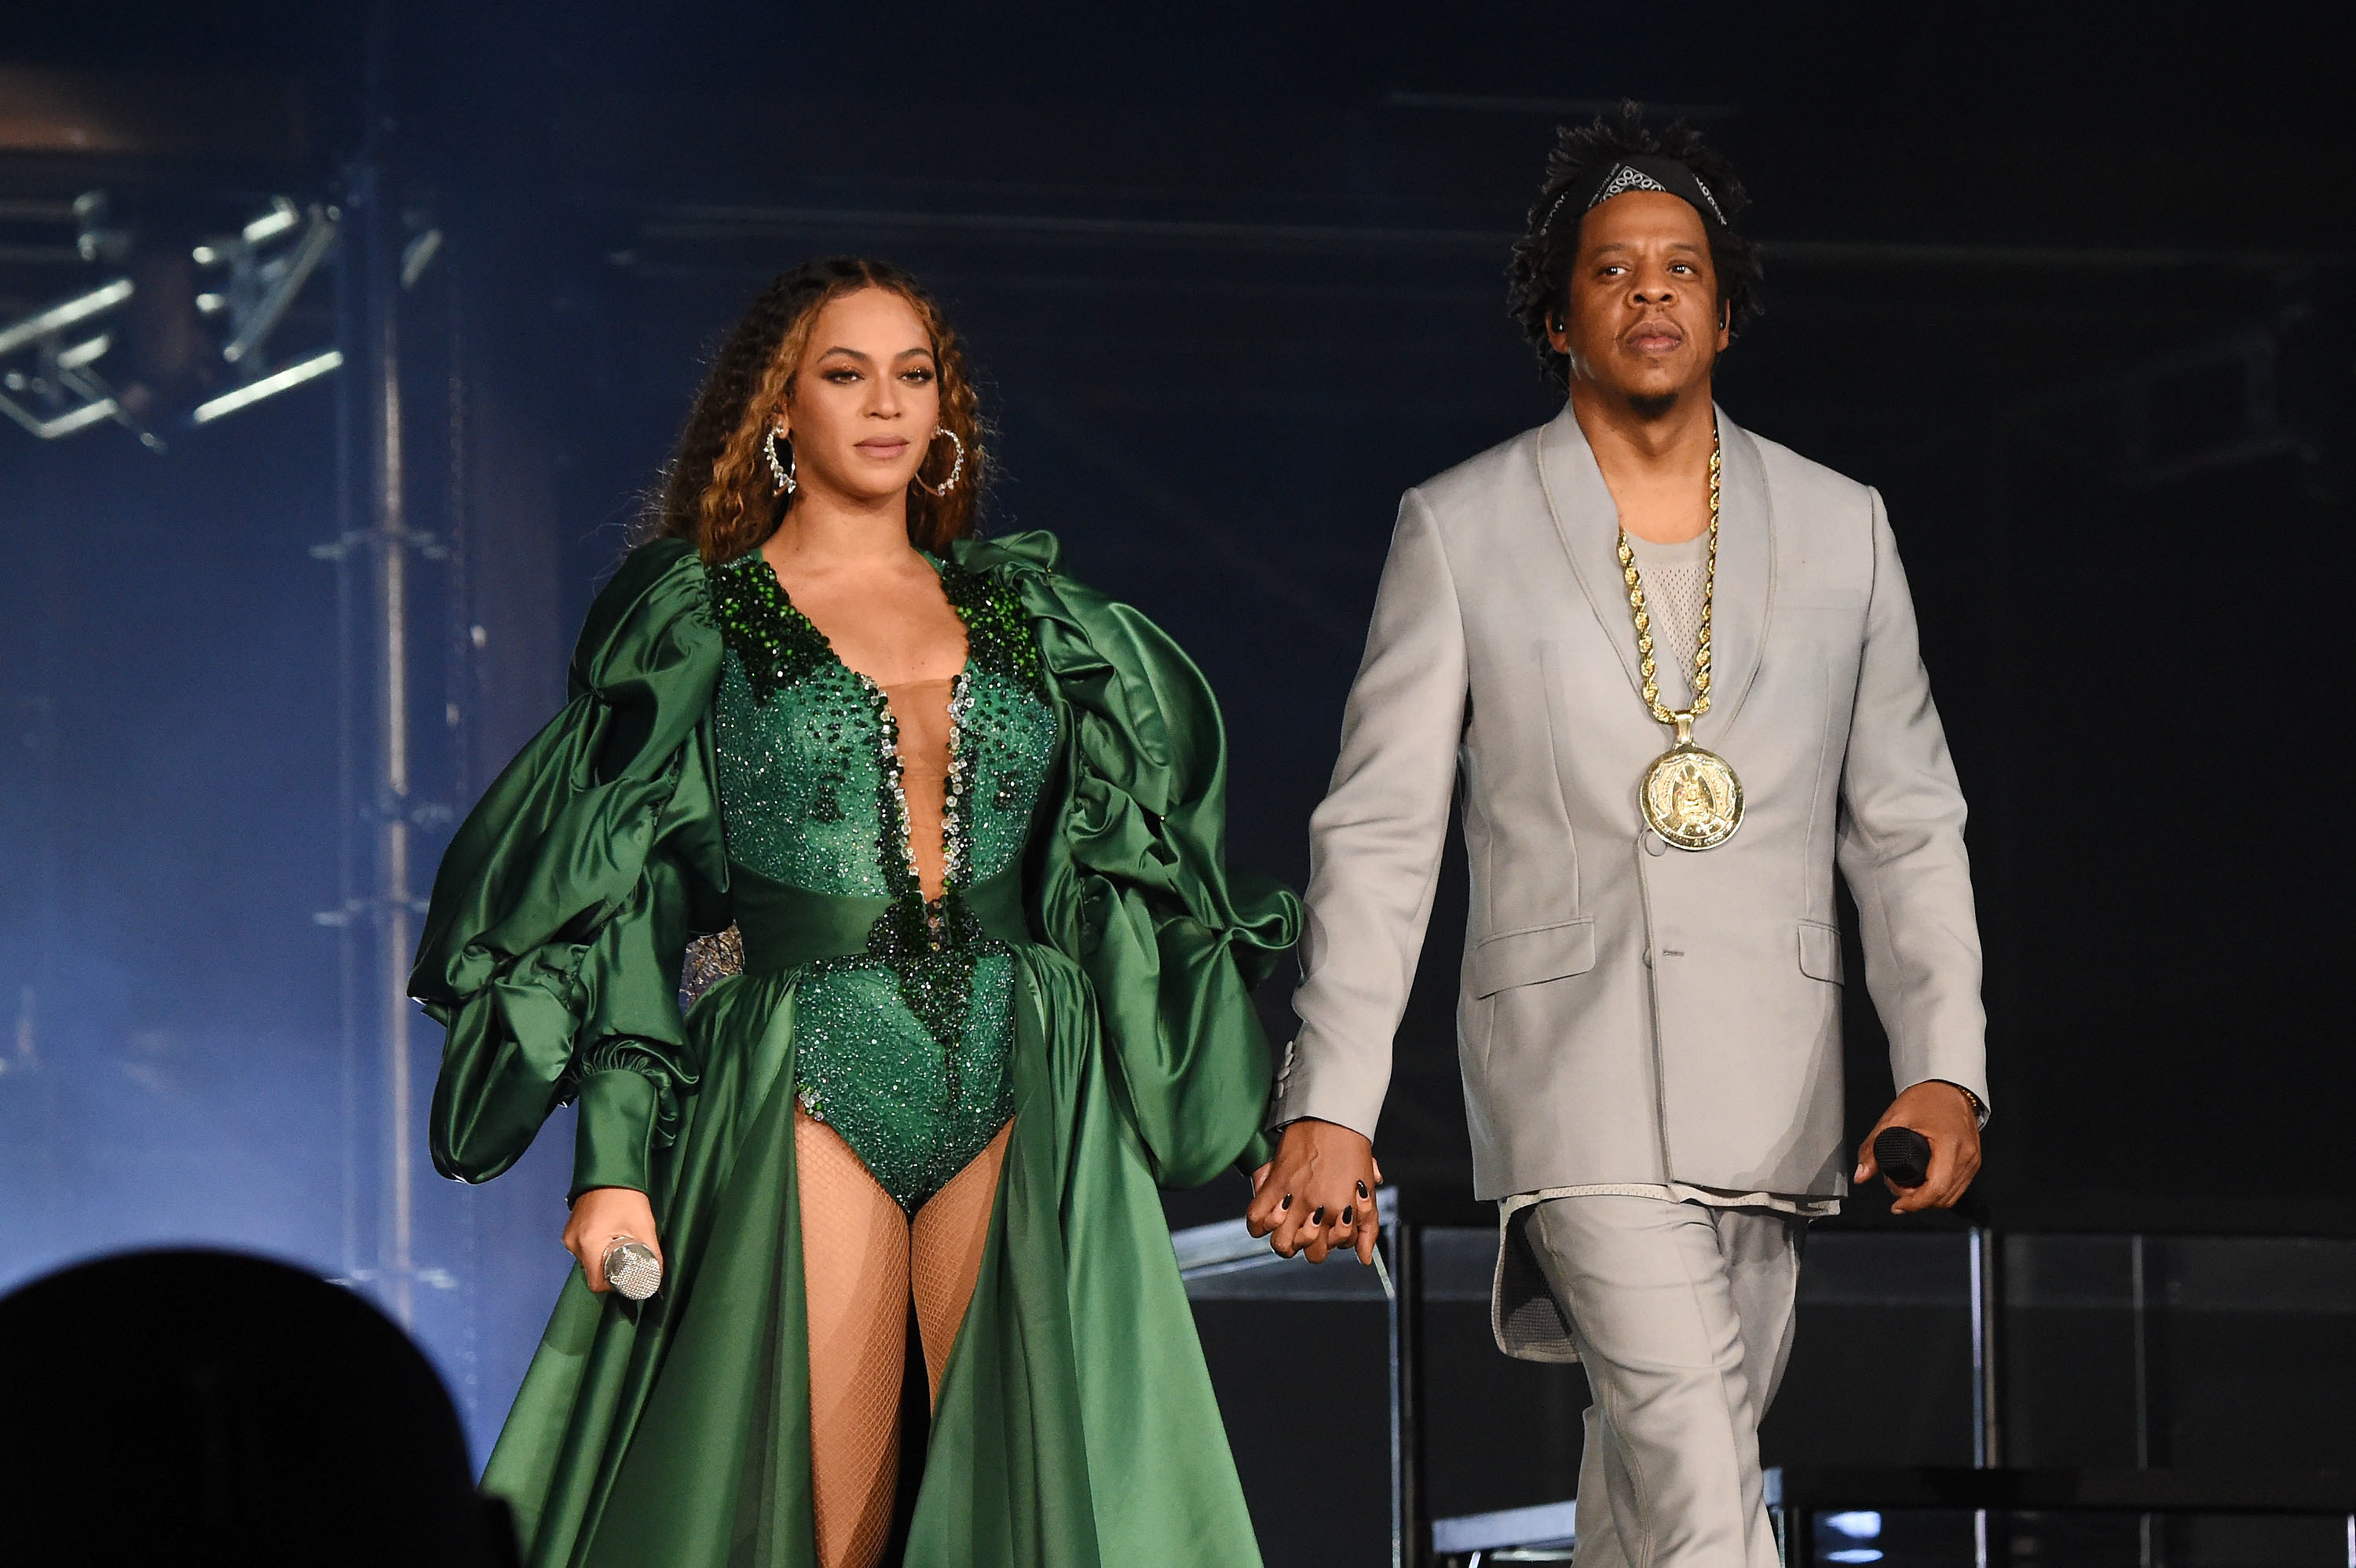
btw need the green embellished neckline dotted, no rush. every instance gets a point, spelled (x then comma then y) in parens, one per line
(778, 643)
(763, 571)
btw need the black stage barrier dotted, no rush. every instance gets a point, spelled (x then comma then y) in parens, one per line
(1956, 1396)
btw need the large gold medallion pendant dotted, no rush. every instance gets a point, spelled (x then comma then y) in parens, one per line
(1691, 797)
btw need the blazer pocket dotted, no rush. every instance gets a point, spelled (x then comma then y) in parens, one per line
(1820, 951)
(1526, 957)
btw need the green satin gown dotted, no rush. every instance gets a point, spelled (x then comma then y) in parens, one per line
(1088, 971)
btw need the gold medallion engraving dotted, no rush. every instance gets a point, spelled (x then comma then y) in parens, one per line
(1692, 798)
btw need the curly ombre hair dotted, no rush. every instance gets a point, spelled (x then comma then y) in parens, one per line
(717, 491)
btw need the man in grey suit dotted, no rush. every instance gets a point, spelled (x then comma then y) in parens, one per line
(1672, 669)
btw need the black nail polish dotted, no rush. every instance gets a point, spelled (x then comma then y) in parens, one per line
(1285, 1204)
(1362, 1189)
(1349, 1213)
(1317, 1215)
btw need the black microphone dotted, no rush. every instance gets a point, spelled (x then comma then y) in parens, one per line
(1903, 1155)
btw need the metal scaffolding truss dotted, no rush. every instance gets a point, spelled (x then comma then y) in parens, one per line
(254, 305)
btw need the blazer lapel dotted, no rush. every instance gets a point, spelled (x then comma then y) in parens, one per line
(1587, 521)
(1588, 524)
(1746, 577)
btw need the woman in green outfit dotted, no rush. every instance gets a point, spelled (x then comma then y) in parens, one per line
(959, 821)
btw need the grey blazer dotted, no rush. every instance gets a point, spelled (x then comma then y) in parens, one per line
(1630, 1012)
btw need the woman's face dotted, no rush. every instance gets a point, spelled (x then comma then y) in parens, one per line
(861, 409)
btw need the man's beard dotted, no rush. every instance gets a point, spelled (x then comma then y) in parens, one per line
(1653, 405)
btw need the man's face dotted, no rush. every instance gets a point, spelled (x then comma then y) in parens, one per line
(1642, 317)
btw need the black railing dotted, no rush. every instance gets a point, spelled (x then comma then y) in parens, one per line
(1955, 1393)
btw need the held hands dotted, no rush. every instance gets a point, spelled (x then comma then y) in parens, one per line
(1941, 1113)
(601, 1214)
(1318, 1194)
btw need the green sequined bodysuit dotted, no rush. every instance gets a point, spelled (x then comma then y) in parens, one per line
(902, 1048)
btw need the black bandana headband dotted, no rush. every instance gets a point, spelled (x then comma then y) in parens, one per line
(1624, 172)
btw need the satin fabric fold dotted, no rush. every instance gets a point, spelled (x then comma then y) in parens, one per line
(562, 909)
(1134, 886)
(1077, 1424)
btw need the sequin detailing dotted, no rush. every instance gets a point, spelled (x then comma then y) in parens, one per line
(710, 960)
(998, 635)
(902, 1047)
(868, 1067)
(775, 643)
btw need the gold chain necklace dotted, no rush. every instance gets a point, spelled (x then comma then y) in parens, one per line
(1690, 796)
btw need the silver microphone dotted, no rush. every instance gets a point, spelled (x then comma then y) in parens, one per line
(631, 1268)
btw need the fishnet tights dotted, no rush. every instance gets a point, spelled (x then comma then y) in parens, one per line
(863, 1259)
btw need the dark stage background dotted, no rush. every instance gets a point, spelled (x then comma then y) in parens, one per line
(2072, 286)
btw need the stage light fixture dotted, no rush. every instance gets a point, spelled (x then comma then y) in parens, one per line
(53, 389)
(59, 393)
(418, 255)
(277, 381)
(56, 318)
(1861, 1528)
(64, 424)
(283, 216)
(96, 236)
(262, 283)
(268, 262)
(84, 353)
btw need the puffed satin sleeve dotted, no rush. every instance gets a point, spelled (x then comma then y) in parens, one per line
(553, 945)
(1133, 882)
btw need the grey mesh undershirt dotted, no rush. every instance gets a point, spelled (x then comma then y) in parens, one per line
(1673, 575)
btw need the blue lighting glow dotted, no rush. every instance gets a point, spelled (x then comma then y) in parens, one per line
(1857, 1526)
(1855, 1554)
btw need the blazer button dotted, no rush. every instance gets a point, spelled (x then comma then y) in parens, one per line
(1654, 843)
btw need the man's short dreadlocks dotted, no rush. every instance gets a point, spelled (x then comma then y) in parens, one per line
(1538, 276)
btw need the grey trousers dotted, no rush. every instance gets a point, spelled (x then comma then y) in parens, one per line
(1683, 1318)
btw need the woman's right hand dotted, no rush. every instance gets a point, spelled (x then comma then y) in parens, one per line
(1317, 1195)
(601, 1214)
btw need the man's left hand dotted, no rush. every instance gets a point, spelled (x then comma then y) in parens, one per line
(1943, 1113)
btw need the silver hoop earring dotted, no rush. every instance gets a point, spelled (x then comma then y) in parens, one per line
(957, 469)
(781, 469)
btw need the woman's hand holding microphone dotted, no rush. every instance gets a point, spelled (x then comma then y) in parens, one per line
(612, 1234)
